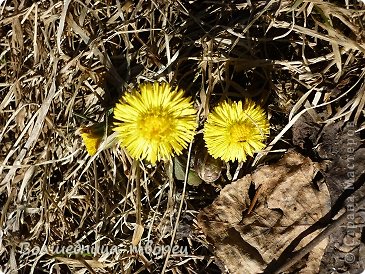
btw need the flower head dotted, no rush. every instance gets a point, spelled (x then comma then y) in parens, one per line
(235, 129)
(92, 137)
(154, 121)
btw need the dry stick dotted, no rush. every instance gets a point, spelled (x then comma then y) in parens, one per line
(138, 199)
(138, 195)
(180, 209)
(319, 238)
(96, 214)
(96, 186)
(88, 266)
(254, 200)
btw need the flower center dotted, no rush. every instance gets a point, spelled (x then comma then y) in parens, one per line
(241, 131)
(155, 127)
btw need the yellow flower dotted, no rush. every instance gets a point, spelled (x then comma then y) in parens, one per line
(234, 130)
(92, 137)
(154, 121)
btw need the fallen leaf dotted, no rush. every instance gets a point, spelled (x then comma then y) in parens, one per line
(287, 205)
(341, 148)
(305, 131)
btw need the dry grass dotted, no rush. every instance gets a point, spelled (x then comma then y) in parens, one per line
(64, 64)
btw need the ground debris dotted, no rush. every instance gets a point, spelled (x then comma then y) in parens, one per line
(340, 146)
(287, 205)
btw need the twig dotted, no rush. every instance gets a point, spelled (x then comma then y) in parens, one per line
(137, 177)
(138, 193)
(180, 210)
(254, 200)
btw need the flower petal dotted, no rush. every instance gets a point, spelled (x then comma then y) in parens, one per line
(234, 130)
(154, 121)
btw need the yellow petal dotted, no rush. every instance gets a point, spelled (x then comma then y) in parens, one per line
(235, 130)
(154, 121)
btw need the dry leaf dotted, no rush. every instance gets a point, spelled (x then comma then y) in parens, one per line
(287, 205)
(137, 235)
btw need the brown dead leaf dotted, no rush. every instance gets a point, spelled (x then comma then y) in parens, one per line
(287, 205)
(305, 131)
(341, 148)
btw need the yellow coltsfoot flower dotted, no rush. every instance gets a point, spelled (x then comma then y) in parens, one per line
(235, 129)
(92, 136)
(154, 121)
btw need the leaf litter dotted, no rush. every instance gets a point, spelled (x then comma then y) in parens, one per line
(64, 65)
(287, 205)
